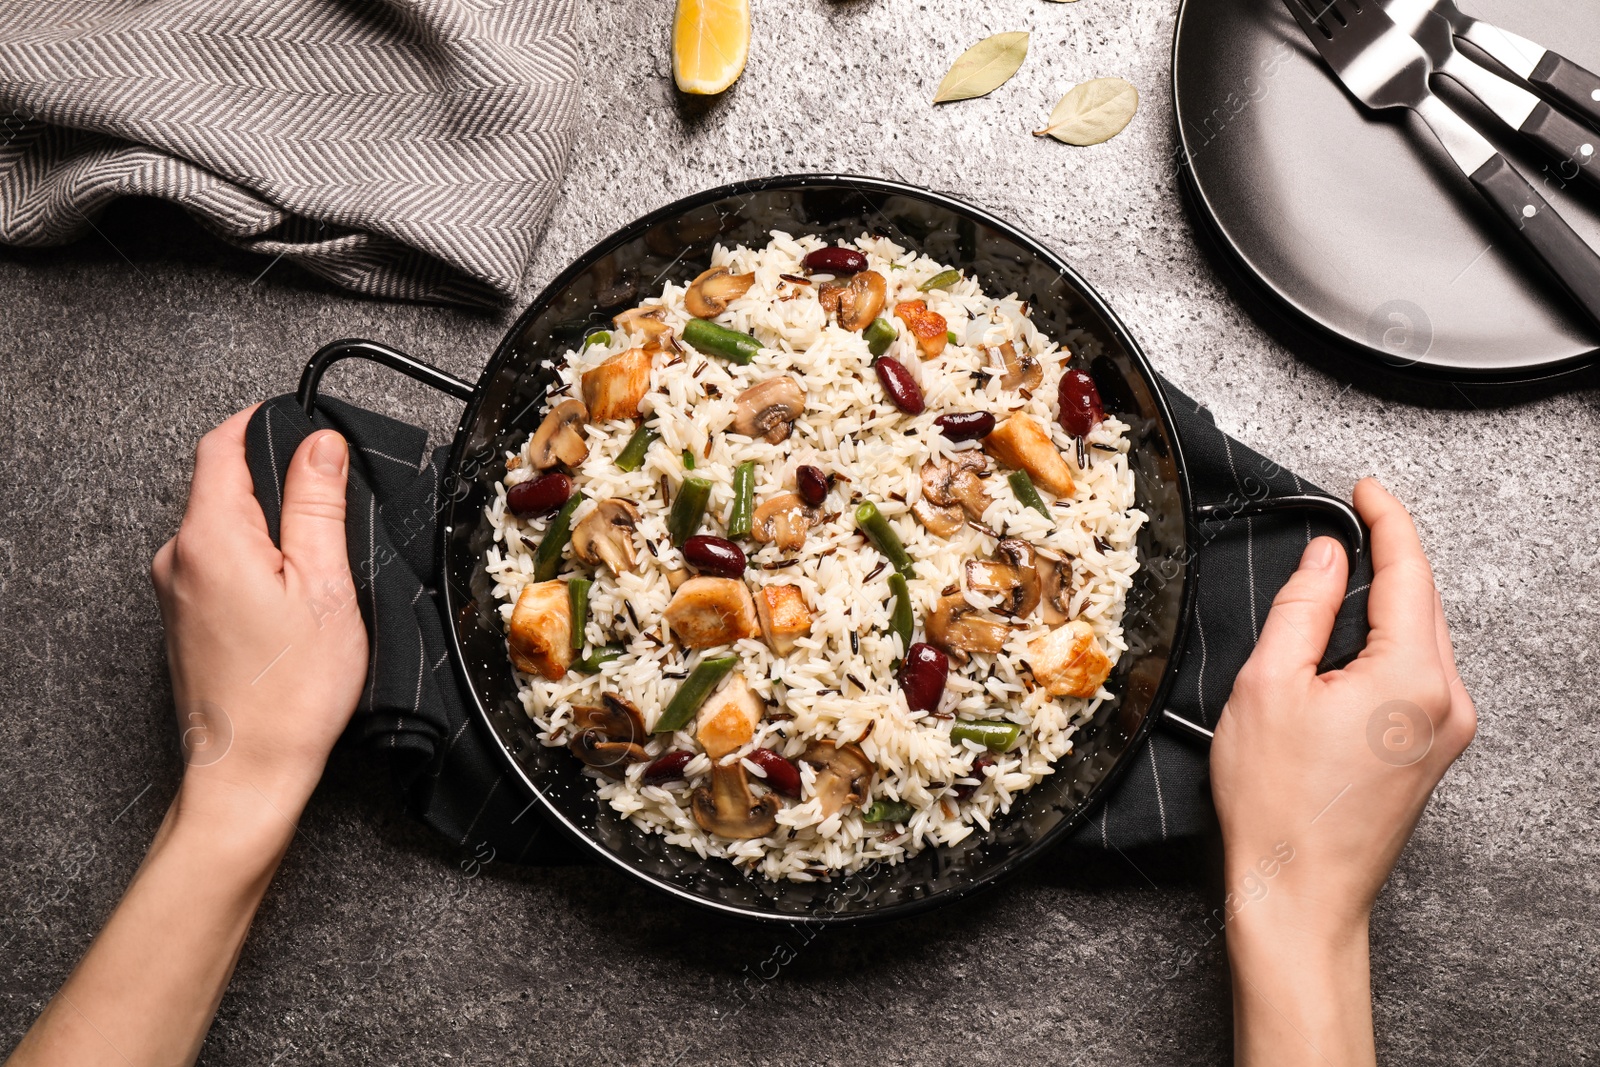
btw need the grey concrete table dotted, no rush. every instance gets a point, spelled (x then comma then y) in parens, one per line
(379, 944)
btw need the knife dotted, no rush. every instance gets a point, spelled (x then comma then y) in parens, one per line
(1563, 79)
(1513, 105)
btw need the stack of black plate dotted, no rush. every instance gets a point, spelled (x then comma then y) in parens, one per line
(1352, 231)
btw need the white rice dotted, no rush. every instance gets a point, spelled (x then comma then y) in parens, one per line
(850, 429)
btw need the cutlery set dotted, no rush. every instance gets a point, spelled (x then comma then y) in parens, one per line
(1386, 57)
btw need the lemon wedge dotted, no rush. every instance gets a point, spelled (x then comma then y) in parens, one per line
(710, 40)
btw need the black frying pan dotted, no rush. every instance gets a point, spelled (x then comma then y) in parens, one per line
(675, 243)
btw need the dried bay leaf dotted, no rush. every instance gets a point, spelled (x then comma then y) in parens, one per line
(1093, 112)
(984, 67)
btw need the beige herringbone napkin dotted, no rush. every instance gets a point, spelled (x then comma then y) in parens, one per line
(401, 149)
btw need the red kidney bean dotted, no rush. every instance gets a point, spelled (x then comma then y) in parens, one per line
(835, 261)
(538, 495)
(1081, 410)
(782, 775)
(898, 383)
(979, 766)
(923, 675)
(965, 425)
(667, 767)
(812, 483)
(714, 555)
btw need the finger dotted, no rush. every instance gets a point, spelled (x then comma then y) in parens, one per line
(222, 493)
(1400, 604)
(313, 507)
(1301, 620)
(161, 567)
(1463, 716)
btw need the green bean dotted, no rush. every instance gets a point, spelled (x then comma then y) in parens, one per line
(688, 460)
(693, 692)
(578, 597)
(901, 620)
(594, 661)
(951, 338)
(741, 517)
(687, 511)
(1027, 495)
(943, 280)
(599, 337)
(870, 521)
(733, 346)
(879, 334)
(992, 734)
(631, 458)
(547, 557)
(889, 811)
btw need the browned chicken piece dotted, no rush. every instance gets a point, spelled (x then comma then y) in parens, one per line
(710, 294)
(784, 520)
(1022, 444)
(648, 325)
(854, 301)
(727, 721)
(1068, 661)
(768, 409)
(540, 633)
(952, 491)
(614, 388)
(1022, 369)
(929, 328)
(559, 438)
(955, 626)
(784, 616)
(706, 612)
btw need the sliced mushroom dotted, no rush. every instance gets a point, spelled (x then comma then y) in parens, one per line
(954, 626)
(559, 438)
(727, 808)
(727, 721)
(1055, 581)
(784, 616)
(650, 324)
(606, 536)
(952, 488)
(929, 328)
(854, 301)
(705, 612)
(604, 755)
(1068, 661)
(768, 409)
(539, 635)
(615, 718)
(614, 388)
(783, 520)
(1023, 370)
(710, 294)
(844, 774)
(1022, 444)
(1012, 576)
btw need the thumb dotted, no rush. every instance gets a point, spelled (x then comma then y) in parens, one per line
(313, 506)
(1301, 620)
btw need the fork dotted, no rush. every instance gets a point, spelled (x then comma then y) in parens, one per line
(1383, 67)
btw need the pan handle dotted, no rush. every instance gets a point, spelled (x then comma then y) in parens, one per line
(1352, 530)
(394, 359)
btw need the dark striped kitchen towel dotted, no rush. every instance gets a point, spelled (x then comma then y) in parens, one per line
(454, 778)
(399, 148)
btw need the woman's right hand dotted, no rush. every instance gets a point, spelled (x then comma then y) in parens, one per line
(1319, 780)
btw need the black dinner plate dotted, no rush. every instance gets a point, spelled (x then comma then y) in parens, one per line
(1357, 225)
